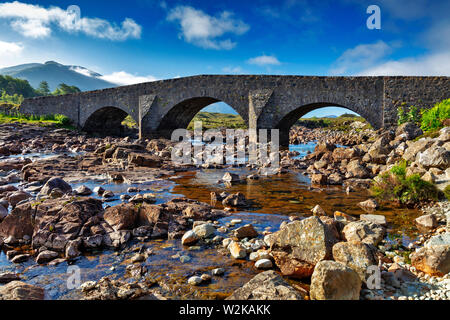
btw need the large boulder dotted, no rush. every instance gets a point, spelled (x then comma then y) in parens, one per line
(58, 221)
(55, 183)
(144, 160)
(247, 231)
(19, 222)
(332, 280)
(356, 255)
(427, 222)
(18, 196)
(292, 267)
(236, 200)
(415, 147)
(363, 231)
(3, 212)
(204, 230)
(121, 217)
(434, 157)
(18, 290)
(307, 241)
(408, 131)
(340, 154)
(379, 150)
(432, 259)
(355, 170)
(267, 285)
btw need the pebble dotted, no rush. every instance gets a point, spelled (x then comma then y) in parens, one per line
(195, 280)
(184, 259)
(218, 271)
(263, 264)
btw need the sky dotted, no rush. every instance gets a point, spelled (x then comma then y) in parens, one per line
(146, 40)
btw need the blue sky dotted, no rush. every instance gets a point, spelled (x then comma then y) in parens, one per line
(143, 40)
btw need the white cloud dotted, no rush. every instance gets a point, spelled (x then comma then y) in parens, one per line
(233, 70)
(9, 51)
(437, 64)
(124, 78)
(204, 30)
(360, 57)
(10, 47)
(34, 21)
(264, 60)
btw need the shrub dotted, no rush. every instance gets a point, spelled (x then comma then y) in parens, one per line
(410, 114)
(433, 119)
(414, 115)
(396, 186)
(447, 192)
(402, 116)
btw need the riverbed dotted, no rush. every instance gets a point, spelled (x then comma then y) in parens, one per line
(274, 199)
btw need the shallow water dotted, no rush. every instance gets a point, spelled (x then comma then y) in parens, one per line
(275, 199)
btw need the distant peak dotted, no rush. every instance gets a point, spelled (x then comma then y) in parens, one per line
(53, 62)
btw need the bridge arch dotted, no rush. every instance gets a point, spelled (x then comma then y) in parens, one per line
(106, 120)
(290, 118)
(182, 113)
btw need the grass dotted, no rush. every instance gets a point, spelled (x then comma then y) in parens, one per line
(55, 120)
(210, 120)
(214, 120)
(341, 123)
(394, 185)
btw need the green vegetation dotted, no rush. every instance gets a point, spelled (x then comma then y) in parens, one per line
(433, 119)
(13, 91)
(214, 120)
(447, 192)
(430, 120)
(129, 122)
(408, 114)
(65, 89)
(14, 99)
(43, 89)
(14, 86)
(396, 186)
(210, 120)
(57, 120)
(341, 123)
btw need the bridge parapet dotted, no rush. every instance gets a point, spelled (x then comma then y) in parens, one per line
(263, 101)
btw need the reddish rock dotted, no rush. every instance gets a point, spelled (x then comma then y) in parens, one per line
(292, 267)
(19, 222)
(18, 290)
(121, 217)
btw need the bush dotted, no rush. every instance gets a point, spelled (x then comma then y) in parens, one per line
(447, 192)
(433, 119)
(396, 186)
(410, 114)
(402, 116)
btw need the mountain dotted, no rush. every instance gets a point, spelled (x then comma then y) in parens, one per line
(220, 107)
(55, 73)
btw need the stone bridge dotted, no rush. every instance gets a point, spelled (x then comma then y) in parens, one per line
(263, 101)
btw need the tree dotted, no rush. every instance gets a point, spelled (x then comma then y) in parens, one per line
(65, 89)
(16, 86)
(43, 89)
